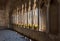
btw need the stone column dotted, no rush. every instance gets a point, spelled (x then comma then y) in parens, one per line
(53, 17)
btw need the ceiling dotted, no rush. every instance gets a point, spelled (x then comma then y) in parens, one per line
(13, 2)
(3, 4)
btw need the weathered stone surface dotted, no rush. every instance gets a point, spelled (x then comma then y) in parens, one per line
(3, 18)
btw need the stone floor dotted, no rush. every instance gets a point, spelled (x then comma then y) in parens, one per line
(7, 35)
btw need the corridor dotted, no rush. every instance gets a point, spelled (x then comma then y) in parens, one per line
(29, 20)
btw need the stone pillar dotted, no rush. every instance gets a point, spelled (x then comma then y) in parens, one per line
(59, 14)
(53, 17)
(7, 10)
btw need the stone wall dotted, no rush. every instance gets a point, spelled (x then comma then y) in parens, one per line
(3, 18)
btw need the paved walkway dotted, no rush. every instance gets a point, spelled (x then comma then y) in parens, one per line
(7, 35)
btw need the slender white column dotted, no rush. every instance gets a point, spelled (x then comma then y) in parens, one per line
(22, 13)
(29, 9)
(17, 15)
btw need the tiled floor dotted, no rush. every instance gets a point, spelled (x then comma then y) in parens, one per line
(7, 35)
